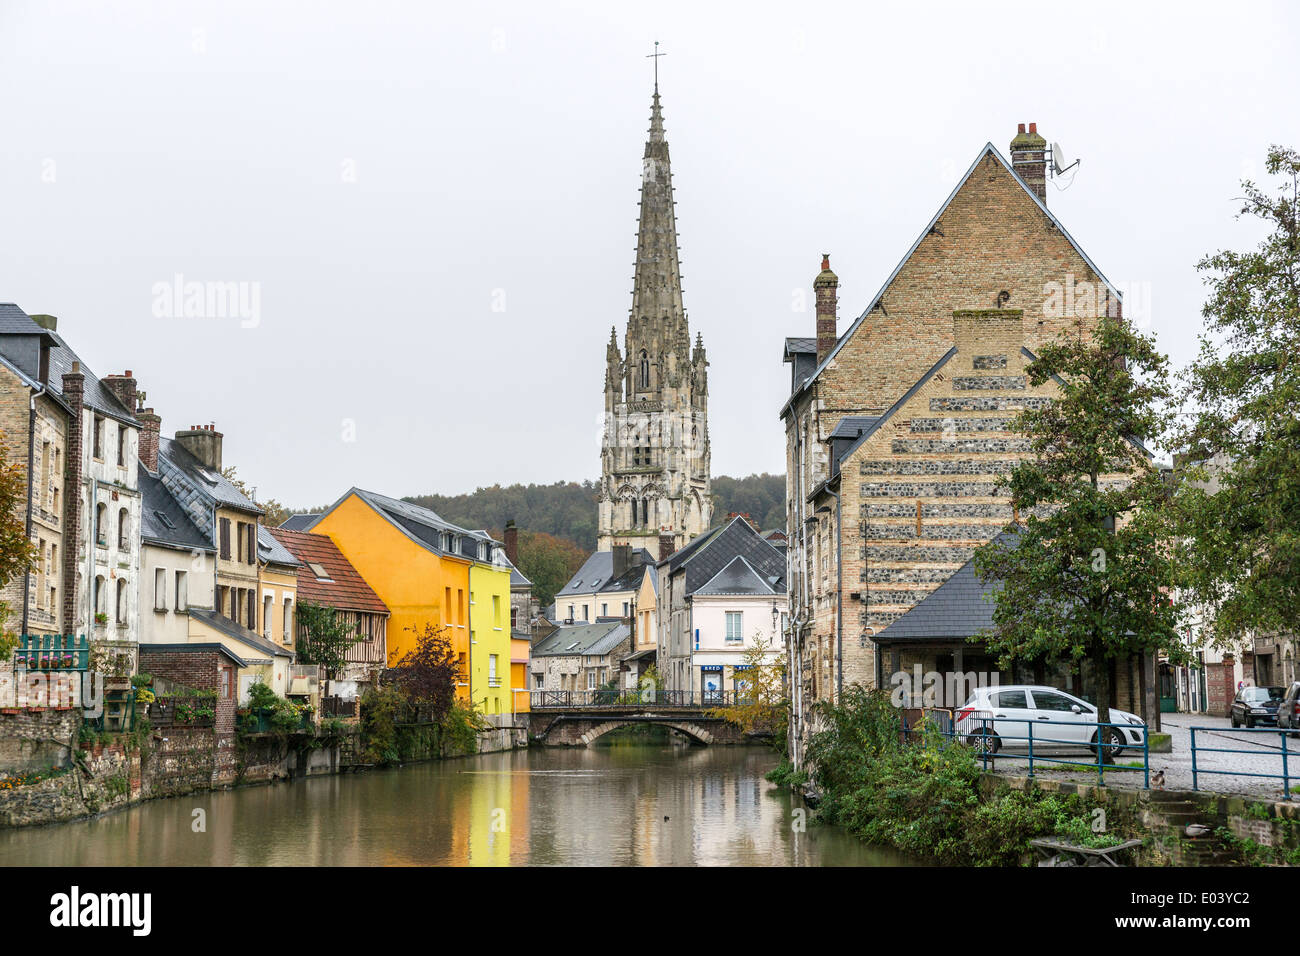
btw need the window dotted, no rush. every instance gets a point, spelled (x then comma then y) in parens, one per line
(539, 681)
(252, 544)
(159, 589)
(460, 607)
(99, 594)
(224, 525)
(446, 608)
(267, 616)
(1010, 698)
(735, 631)
(319, 571)
(570, 612)
(1043, 700)
(99, 437)
(123, 530)
(514, 618)
(226, 682)
(121, 600)
(101, 525)
(121, 446)
(496, 610)
(492, 671)
(250, 597)
(625, 609)
(591, 680)
(288, 618)
(40, 571)
(604, 610)
(645, 369)
(239, 537)
(182, 591)
(221, 599)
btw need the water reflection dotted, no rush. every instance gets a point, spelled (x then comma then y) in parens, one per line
(634, 802)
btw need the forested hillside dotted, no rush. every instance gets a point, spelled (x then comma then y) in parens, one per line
(568, 509)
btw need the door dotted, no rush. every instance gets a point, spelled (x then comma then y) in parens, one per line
(1055, 717)
(1011, 717)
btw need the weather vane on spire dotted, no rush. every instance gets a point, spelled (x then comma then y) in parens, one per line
(655, 56)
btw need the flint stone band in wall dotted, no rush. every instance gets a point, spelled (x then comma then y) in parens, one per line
(876, 509)
(997, 466)
(959, 446)
(907, 553)
(990, 424)
(988, 383)
(929, 489)
(906, 575)
(989, 403)
(879, 619)
(932, 532)
(894, 597)
(990, 361)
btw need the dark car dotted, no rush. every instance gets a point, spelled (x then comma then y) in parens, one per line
(1256, 705)
(1288, 712)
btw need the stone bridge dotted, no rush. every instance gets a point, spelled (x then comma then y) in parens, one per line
(579, 726)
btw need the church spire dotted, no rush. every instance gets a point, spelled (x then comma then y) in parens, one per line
(658, 317)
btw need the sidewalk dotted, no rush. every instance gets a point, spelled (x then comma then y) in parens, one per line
(1265, 757)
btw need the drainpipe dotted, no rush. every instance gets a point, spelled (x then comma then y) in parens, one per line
(31, 458)
(839, 602)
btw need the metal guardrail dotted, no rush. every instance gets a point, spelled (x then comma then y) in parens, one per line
(1285, 753)
(978, 730)
(580, 699)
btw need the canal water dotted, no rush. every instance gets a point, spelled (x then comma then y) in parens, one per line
(627, 803)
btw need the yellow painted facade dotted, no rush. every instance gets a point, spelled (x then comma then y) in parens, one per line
(419, 585)
(490, 649)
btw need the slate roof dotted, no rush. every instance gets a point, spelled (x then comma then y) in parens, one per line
(197, 481)
(959, 608)
(223, 624)
(299, 522)
(597, 575)
(423, 525)
(163, 521)
(590, 639)
(714, 550)
(738, 577)
(271, 551)
(851, 426)
(18, 342)
(989, 149)
(797, 344)
(345, 587)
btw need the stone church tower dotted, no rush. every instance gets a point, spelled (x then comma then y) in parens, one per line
(655, 487)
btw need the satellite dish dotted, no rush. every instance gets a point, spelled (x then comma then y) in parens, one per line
(1058, 159)
(1059, 165)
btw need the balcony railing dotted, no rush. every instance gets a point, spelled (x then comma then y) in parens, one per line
(331, 707)
(50, 652)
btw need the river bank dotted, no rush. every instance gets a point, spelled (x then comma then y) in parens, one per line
(78, 779)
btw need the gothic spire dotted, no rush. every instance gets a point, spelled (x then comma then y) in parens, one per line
(657, 285)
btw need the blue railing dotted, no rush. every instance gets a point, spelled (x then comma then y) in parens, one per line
(979, 732)
(66, 652)
(1284, 752)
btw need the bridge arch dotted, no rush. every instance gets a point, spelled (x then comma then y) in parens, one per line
(695, 732)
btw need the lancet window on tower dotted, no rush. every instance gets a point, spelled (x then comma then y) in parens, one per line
(645, 369)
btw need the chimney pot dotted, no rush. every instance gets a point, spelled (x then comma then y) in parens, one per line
(1020, 128)
(1033, 128)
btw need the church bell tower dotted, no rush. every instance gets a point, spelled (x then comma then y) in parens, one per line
(655, 486)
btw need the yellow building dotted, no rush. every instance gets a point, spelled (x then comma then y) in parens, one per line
(421, 568)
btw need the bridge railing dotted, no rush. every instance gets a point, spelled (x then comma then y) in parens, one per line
(644, 697)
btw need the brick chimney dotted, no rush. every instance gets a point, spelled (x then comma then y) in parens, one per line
(666, 548)
(74, 390)
(204, 443)
(150, 427)
(512, 542)
(123, 389)
(1029, 159)
(622, 559)
(824, 288)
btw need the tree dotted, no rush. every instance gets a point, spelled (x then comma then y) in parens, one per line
(429, 673)
(548, 562)
(1243, 562)
(760, 706)
(1088, 573)
(17, 553)
(324, 638)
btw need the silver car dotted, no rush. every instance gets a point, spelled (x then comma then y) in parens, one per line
(1002, 717)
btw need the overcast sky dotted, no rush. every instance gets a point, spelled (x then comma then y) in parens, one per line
(435, 204)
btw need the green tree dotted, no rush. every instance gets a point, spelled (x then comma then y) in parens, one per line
(760, 705)
(17, 553)
(548, 562)
(1243, 562)
(324, 638)
(1087, 576)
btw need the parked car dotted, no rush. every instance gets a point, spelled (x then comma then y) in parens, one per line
(998, 717)
(1256, 705)
(1288, 711)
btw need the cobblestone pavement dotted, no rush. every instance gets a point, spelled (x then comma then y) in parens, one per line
(1264, 756)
